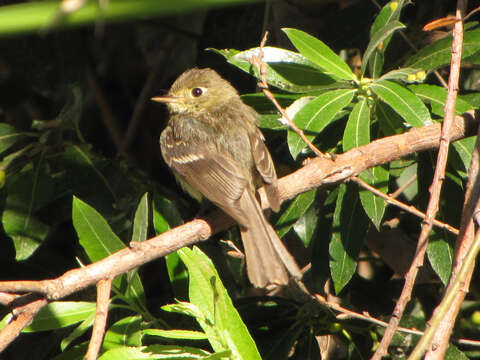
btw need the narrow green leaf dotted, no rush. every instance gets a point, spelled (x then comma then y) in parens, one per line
(61, 314)
(319, 53)
(295, 210)
(403, 101)
(453, 353)
(377, 38)
(171, 352)
(464, 149)
(349, 227)
(27, 192)
(94, 234)
(140, 222)
(390, 122)
(208, 293)
(436, 97)
(176, 334)
(286, 70)
(77, 332)
(305, 226)
(357, 130)
(125, 332)
(439, 53)
(440, 255)
(165, 217)
(373, 205)
(402, 74)
(316, 115)
(9, 136)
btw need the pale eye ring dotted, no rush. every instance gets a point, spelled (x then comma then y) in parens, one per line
(196, 92)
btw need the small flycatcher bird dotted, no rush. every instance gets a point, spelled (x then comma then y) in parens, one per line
(215, 149)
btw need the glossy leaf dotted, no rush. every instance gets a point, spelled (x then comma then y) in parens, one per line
(402, 74)
(294, 211)
(436, 97)
(61, 314)
(124, 332)
(439, 53)
(140, 222)
(357, 130)
(9, 136)
(165, 217)
(207, 292)
(176, 334)
(77, 332)
(390, 122)
(316, 115)
(374, 205)
(286, 70)
(320, 54)
(348, 230)
(403, 101)
(377, 38)
(440, 255)
(464, 148)
(390, 12)
(306, 225)
(171, 352)
(27, 192)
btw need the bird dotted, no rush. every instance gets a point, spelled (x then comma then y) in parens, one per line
(216, 151)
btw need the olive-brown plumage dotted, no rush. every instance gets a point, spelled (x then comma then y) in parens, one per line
(216, 150)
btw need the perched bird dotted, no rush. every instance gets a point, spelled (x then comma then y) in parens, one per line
(215, 149)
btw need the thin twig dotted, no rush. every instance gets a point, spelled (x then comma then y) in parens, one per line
(402, 188)
(347, 313)
(435, 190)
(104, 287)
(263, 85)
(411, 209)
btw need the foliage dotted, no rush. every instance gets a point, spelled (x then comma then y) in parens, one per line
(52, 168)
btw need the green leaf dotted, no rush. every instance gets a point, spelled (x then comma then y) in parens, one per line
(403, 101)
(176, 334)
(440, 255)
(390, 122)
(94, 234)
(320, 54)
(439, 53)
(77, 332)
(27, 192)
(61, 314)
(377, 38)
(165, 217)
(453, 353)
(140, 223)
(295, 210)
(349, 227)
(306, 225)
(125, 332)
(223, 325)
(357, 130)
(436, 97)
(171, 352)
(401, 74)
(316, 115)
(464, 149)
(9, 136)
(373, 205)
(287, 70)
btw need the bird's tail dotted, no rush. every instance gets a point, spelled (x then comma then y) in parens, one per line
(268, 260)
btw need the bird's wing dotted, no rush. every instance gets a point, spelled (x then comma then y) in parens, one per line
(216, 176)
(266, 168)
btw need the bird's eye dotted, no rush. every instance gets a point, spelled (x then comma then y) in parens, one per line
(196, 92)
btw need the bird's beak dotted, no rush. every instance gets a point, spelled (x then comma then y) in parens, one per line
(166, 99)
